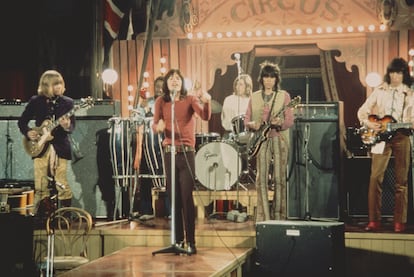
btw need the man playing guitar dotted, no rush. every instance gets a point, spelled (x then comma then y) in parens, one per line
(52, 145)
(394, 99)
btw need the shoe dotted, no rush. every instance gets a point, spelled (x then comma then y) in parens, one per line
(191, 249)
(146, 217)
(373, 226)
(179, 244)
(399, 227)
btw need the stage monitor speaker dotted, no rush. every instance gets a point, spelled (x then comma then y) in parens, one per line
(308, 248)
(313, 181)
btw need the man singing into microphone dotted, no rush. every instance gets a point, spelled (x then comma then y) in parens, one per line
(185, 106)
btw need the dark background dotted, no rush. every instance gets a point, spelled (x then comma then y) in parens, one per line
(41, 35)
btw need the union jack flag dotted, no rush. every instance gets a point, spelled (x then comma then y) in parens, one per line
(114, 13)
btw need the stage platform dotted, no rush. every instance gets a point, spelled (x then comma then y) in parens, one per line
(366, 252)
(138, 261)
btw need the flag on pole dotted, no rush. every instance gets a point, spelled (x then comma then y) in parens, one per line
(114, 12)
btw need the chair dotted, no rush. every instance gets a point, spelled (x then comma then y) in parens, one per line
(67, 235)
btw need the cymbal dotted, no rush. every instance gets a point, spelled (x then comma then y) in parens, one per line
(215, 106)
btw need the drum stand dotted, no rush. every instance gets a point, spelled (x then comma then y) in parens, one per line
(239, 184)
(214, 213)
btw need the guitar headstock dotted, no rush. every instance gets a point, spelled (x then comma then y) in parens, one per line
(294, 102)
(86, 102)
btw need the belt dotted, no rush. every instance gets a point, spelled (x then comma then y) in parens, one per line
(179, 148)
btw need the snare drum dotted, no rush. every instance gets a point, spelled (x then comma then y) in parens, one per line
(241, 135)
(153, 155)
(218, 165)
(119, 145)
(202, 139)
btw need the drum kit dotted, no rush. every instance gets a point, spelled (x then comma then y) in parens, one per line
(222, 163)
(219, 163)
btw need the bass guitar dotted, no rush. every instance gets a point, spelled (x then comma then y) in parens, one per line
(388, 127)
(36, 147)
(258, 137)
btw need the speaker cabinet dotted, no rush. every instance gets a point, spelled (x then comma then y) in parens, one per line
(83, 175)
(357, 173)
(313, 183)
(309, 248)
(15, 163)
(16, 240)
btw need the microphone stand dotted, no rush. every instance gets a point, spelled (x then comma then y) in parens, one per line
(239, 71)
(173, 248)
(8, 170)
(306, 153)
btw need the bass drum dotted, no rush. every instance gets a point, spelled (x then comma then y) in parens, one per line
(218, 165)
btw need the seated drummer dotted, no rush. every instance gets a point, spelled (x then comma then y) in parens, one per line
(235, 104)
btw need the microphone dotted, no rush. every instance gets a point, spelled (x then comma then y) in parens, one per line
(237, 58)
(173, 94)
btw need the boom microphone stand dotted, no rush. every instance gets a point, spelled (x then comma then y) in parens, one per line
(173, 248)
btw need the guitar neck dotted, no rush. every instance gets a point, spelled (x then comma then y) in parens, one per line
(55, 123)
(395, 126)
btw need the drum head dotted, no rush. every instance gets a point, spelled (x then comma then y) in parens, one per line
(218, 165)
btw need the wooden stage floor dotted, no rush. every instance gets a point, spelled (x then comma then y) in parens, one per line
(139, 261)
(226, 248)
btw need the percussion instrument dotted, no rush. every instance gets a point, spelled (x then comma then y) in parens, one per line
(218, 165)
(119, 146)
(19, 200)
(203, 138)
(153, 154)
(240, 134)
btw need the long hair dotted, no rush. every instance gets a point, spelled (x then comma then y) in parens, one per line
(247, 81)
(269, 69)
(398, 65)
(48, 79)
(167, 92)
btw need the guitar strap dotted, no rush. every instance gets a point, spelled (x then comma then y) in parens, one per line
(271, 107)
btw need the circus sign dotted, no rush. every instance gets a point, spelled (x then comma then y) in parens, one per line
(239, 15)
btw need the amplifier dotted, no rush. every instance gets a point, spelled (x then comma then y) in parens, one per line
(300, 248)
(325, 111)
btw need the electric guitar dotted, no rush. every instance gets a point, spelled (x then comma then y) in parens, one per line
(259, 136)
(36, 147)
(386, 132)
